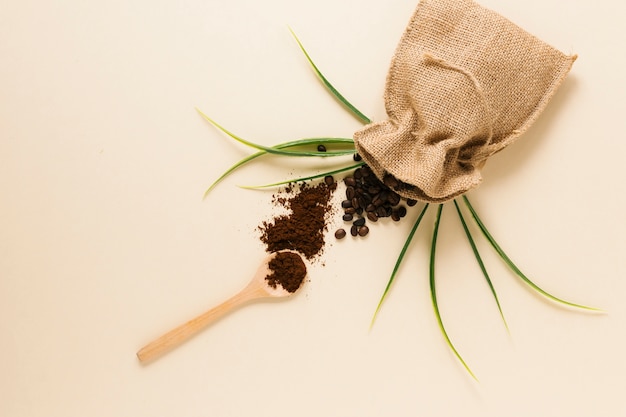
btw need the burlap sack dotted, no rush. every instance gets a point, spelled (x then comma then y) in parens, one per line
(464, 83)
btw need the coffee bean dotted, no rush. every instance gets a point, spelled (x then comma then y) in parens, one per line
(363, 230)
(329, 180)
(321, 148)
(350, 193)
(390, 181)
(340, 233)
(372, 199)
(359, 222)
(356, 157)
(393, 198)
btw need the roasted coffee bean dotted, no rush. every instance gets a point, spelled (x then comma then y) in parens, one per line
(321, 148)
(359, 222)
(363, 230)
(340, 233)
(372, 199)
(356, 157)
(350, 193)
(390, 181)
(347, 217)
(329, 180)
(393, 198)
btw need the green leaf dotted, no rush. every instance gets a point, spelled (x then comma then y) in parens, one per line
(275, 150)
(480, 262)
(329, 86)
(433, 292)
(302, 179)
(398, 262)
(514, 268)
(291, 144)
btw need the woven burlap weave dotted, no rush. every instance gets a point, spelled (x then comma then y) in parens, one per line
(464, 83)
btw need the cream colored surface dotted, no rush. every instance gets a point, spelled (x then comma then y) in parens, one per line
(105, 242)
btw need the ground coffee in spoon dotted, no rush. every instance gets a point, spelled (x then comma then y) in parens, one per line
(287, 270)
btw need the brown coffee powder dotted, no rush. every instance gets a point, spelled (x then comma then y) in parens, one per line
(287, 270)
(303, 229)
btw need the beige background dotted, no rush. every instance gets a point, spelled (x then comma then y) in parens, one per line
(105, 241)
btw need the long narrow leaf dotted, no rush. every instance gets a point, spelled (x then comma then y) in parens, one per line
(514, 268)
(329, 86)
(480, 261)
(433, 292)
(291, 144)
(274, 150)
(398, 262)
(302, 179)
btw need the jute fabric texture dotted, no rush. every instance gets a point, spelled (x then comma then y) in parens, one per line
(463, 84)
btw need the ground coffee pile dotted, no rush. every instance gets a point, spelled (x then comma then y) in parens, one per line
(302, 230)
(287, 270)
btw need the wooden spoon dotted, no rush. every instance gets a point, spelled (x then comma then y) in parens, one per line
(258, 288)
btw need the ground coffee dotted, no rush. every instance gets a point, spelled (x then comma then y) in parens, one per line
(302, 230)
(287, 270)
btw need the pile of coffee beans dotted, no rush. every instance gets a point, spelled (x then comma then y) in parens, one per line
(368, 199)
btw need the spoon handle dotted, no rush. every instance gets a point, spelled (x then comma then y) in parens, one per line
(185, 331)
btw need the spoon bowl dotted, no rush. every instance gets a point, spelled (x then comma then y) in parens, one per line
(259, 287)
